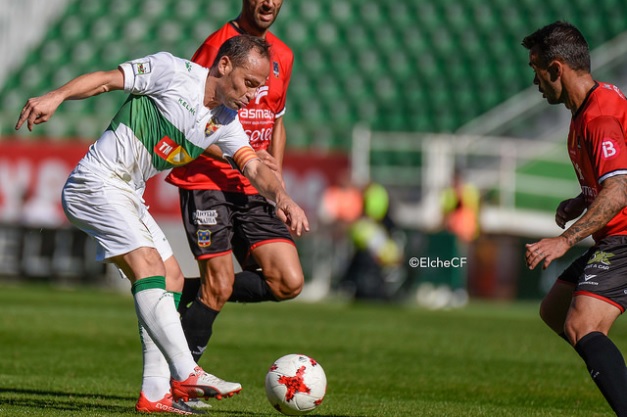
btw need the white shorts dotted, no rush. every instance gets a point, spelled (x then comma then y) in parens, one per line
(113, 213)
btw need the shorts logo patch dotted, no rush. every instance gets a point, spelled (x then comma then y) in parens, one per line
(587, 280)
(204, 238)
(601, 257)
(205, 217)
(599, 260)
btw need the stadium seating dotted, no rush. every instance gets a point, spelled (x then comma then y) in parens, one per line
(407, 65)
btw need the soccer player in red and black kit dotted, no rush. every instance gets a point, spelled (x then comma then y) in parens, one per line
(591, 293)
(223, 213)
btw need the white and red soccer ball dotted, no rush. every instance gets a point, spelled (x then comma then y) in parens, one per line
(295, 384)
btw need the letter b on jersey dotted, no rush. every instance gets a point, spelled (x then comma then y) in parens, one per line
(609, 148)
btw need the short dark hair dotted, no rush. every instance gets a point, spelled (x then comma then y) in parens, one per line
(560, 41)
(238, 48)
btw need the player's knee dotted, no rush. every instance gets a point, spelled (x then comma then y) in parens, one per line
(216, 289)
(575, 329)
(571, 331)
(175, 281)
(291, 285)
(287, 293)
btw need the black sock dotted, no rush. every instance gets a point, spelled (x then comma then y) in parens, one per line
(197, 324)
(251, 287)
(191, 287)
(607, 368)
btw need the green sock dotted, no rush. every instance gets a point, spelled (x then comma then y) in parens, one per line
(177, 298)
(148, 283)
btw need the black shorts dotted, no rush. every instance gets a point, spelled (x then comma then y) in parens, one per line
(601, 272)
(217, 222)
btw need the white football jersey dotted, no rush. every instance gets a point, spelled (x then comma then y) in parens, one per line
(163, 123)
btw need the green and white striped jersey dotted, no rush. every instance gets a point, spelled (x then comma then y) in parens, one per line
(163, 123)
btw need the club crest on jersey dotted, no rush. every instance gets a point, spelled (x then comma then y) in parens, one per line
(204, 238)
(140, 68)
(275, 69)
(172, 152)
(212, 127)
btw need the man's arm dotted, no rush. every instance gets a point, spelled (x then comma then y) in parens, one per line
(610, 201)
(269, 186)
(277, 146)
(214, 151)
(273, 159)
(39, 109)
(569, 210)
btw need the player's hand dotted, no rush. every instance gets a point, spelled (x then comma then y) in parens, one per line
(38, 110)
(293, 216)
(569, 210)
(545, 250)
(269, 160)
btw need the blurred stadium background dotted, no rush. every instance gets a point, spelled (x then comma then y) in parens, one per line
(399, 92)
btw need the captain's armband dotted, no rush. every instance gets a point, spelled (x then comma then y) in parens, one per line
(243, 156)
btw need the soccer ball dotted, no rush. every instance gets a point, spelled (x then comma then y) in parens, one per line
(295, 384)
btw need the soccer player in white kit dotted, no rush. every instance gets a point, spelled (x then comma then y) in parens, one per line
(175, 110)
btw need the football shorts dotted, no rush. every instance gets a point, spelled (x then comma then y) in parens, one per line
(601, 272)
(217, 222)
(113, 213)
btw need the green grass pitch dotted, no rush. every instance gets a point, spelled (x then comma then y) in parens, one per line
(77, 353)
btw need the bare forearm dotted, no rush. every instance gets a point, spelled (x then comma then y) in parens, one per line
(39, 109)
(91, 84)
(610, 201)
(277, 149)
(214, 152)
(264, 180)
(269, 186)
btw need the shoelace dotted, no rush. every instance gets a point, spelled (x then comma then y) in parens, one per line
(211, 378)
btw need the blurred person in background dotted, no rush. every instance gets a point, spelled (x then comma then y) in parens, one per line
(460, 203)
(377, 252)
(223, 214)
(460, 208)
(341, 203)
(195, 107)
(340, 206)
(590, 294)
